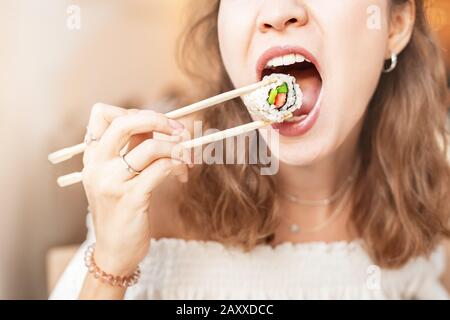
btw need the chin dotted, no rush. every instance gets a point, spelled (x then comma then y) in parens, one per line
(302, 151)
(293, 157)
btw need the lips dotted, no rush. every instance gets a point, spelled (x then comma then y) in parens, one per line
(309, 78)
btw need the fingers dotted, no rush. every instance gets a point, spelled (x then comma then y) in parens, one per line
(115, 128)
(149, 151)
(137, 140)
(155, 174)
(101, 117)
(118, 134)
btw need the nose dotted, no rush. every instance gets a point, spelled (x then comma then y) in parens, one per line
(279, 15)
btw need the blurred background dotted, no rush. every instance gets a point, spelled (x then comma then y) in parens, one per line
(58, 58)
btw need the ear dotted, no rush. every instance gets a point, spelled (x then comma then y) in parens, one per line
(401, 26)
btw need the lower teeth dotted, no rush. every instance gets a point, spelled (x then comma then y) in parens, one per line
(297, 119)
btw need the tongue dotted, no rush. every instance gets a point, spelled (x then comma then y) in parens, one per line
(310, 83)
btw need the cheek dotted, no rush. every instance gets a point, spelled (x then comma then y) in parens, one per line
(356, 48)
(355, 54)
(234, 34)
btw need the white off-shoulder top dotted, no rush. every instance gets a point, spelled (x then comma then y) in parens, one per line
(180, 269)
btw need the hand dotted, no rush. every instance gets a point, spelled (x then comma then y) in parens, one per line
(119, 199)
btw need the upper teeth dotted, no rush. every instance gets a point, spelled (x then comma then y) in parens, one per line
(286, 60)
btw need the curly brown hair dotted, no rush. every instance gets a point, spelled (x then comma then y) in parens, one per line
(401, 204)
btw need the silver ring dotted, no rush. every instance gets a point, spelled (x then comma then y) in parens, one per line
(89, 138)
(128, 167)
(394, 61)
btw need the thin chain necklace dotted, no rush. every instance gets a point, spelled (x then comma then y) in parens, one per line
(295, 228)
(322, 202)
(343, 191)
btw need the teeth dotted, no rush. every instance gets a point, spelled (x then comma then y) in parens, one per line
(286, 60)
(277, 62)
(299, 58)
(297, 119)
(289, 59)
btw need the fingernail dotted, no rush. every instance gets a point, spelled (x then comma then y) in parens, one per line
(178, 126)
(184, 178)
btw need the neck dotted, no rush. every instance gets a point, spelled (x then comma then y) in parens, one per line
(315, 182)
(323, 178)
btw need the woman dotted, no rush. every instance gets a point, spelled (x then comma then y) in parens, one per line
(360, 203)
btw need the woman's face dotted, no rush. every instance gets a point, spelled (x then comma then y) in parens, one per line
(346, 41)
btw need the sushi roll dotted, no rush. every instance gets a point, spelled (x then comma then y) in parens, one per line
(277, 101)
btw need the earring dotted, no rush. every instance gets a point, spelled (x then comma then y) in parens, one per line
(394, 60)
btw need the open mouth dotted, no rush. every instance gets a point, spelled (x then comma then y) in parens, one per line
(306, 74)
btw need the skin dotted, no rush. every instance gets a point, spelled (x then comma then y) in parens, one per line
(314, 166)
(120, 200)
(320, 160)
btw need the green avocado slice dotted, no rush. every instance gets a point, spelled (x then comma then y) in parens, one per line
(272, 96)
(283, 88)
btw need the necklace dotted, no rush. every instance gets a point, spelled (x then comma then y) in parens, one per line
(342, 191)
(323, 202)
(295, 228)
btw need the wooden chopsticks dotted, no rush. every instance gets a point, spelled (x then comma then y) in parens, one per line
(69, 152)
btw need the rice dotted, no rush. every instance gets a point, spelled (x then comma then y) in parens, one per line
(258, 101)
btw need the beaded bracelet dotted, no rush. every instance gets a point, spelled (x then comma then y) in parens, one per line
(110, 279)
